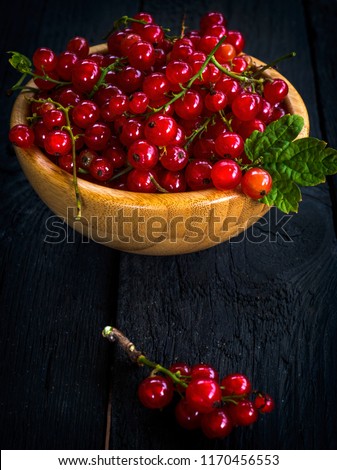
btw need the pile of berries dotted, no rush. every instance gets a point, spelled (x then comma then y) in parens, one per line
(153, 113)
(214, 406)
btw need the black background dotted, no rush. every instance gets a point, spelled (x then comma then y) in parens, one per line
(266, 309)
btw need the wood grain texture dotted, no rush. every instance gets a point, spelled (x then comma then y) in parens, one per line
(264, 304)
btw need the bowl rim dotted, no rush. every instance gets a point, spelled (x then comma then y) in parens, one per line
(294, 103)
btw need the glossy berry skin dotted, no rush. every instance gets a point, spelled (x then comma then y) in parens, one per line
(204, 371)
(142, 55)
(173, 181)
(245, 106)
(85, 74)
(189, 106)
(236, 39)
(181, 367)
(58, 142)
(155, 392)
(138, 102)
(187, 417)
(229, 145)
(44, 59)
(85, 158)
(85, 114)
(198, 175)
(101, 169)
(178, 72)
(174, 158)
(142, 155)
(203, 395)
(140, 181)
(226, 174)
(244, 413)
(65, 162)
(275, 91)
(215, 100)
(160, 129)
(97, 136)
(216, 425)
(22, 136)
(235, 384)
(211, 18)
(256, 183)
(79, 46)
(155, 85)
(264, 403)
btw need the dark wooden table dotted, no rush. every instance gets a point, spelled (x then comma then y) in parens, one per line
(264, 304)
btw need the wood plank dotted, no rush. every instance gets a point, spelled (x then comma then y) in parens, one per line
(55, 297)
(262, 307)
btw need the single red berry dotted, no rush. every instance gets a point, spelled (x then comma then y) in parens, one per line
(264, 403)
(248, 127)
(160, 129)
(116, 155)
(256, 183)
(245, 106)
(101, 169)
(243, 413)
(203, 395)
(128, 41)
(217, 424)
(187, 417)
(211, 18)
(22, 136)
(173, 181)
(85, 113)
(226, 174)
(152, 33)
(118, 104)
(142, 155)
(178, 72)
(79, 46)
(58, 142)
(225, 53)
(235, 384)
(189, 106)
(141, 55)
(204, 371)
(155, 392)
(54, 118)
(215, 100)
(44, 83)
(155, 85)
(40, 132)
(65, 162)
(181, 367)
(275, 91)
(132, 130)
(129, 79)
(138, 102)
(229, 145)
(141, 181)
(97, 136)
(85, 158)
(174, 158)
(198, 175)
(85, 73)
(236, 39)
(44, 59)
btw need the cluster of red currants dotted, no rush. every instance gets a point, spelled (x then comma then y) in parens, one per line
(207, 403)
(154, 113)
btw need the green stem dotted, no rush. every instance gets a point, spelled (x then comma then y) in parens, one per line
(121, 173)
(236, 76)
(158, 367)
(193, 79)
(273, 63)
(104, 71)
(198, 131)
(157, 185)
(68, 128)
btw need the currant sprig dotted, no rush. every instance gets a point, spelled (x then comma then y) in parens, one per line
(216, 406)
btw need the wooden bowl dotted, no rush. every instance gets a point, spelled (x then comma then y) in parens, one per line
(148, 224)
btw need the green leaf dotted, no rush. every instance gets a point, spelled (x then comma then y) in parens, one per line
(302, 161)
(329, 161)
(285, 194)
(275, 138)
(20, 62)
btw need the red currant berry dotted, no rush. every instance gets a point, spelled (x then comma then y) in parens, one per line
(236, 384)
(256, 183)
(243, 413)
(101, 169)
(85, 74)
(58, 142)
(181, 368)
(211, 18)
(142, 155)
(118, 105)
(65, 162)
(128, 41)
(54, 118)
(198, 175)
(275, 91)
(216, 425)
(141, 181)
(142, 16)
(129, 79)
(44, 59)
(248, 127)
(85, 158)
(215, 100)
(173, 181)
(85, 114)
(45, 84)
(155, 392)
(142, 55)
(155, 85)
(22, 136)
(236, 39)
(116, 155)
(203, 395)
(138, 102)
(152, 33)
(226, 174)
(40, 132)
(97, 136)
(187, 417)
(189, 106)
(174, 158)
(264, 403)
(160, 129)
(225, 53)
(132, 130)
(79, 46)
(178, 72)
(204, 371)
(245, 106)
(229, 145)
(65, 63)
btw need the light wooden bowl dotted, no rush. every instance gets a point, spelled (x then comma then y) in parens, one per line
(148, 224)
